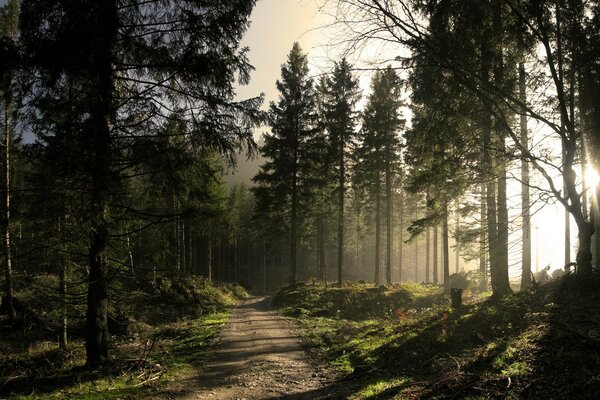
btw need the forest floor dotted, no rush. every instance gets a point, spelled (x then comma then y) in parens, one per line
(406, 342)
(204, 341)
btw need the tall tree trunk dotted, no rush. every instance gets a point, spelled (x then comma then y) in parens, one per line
(435, 255)
(62, 292)
(388, 216)
(377, 229)
(209, 255)
(456, 238)
(502, 285)
(482, 239)
(417, 260)
(341, 195)
(445, 251)
(321, 249)
(294, 211)
(525, 198)
(427, 254)
(97, 335)
(401, 238)
(5, 221)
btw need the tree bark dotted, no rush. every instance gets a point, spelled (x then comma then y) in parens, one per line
(388, 215)
(377, 229)
(525, 197)
(435, 255)
(401, 238)
(62, 291)
(427, 254)
(5, 221)
(501, 285)
(482, 240)
(445, 251)
(97, 335)
(341, 194)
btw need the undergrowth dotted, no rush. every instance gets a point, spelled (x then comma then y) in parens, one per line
(159, 332)
(406, 342)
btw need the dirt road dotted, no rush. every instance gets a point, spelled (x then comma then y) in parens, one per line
(258, 357)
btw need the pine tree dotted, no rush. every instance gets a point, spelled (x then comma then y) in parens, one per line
(281, 183)
(378, 154)
(126, 75)
(342, 94)
(9, 15)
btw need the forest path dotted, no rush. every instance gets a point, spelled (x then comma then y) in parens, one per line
(258, 356)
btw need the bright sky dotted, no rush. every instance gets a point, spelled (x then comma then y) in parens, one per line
(275, 26)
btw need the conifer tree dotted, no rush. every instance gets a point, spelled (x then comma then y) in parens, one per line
(9, 16)
(130, 65)
(340, 114)
(281, 183)
(378, 154)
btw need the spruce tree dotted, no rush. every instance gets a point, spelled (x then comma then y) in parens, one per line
(281, 183)
(342, 94)
(127, 76)
(378, 154)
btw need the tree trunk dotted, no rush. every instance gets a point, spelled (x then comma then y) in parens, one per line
(501, 285)
(341, 213)
(377, 230)
(62, 292)
(417, 260)
(526, 239)
(321, 249)
(435, 255)
(388, 216)
(97, 335)
(8, 281)
(445, 251)
(456, 238)
(293, 222)
(482, 240)
(401, 238)
(427, 254)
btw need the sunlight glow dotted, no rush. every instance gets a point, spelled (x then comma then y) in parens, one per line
(591, 177)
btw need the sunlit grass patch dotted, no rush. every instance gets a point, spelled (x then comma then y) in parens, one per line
(372, 390)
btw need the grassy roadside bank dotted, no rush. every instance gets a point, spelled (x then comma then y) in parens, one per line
(160, 334)
(405, 342)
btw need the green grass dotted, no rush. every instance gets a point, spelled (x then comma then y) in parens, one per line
(179, 326)
(184, 346)
(534, 344)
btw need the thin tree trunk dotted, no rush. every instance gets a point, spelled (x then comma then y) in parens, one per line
(377, 230)
(445, 251)
(401, 238)
(341, 213)
(417, 260)
(525, 199)
(456, 238)
(388, 206)
(482, 239)
(62, 291)
(427, 254)
(435, 255)
(321, 242)
(209, 246)
(6, 217)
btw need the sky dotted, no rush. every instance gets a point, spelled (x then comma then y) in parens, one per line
(275, 26)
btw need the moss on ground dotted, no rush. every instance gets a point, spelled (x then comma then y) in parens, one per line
(536, 344)
(179, 322)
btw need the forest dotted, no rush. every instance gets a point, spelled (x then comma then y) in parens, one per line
(423, 222)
